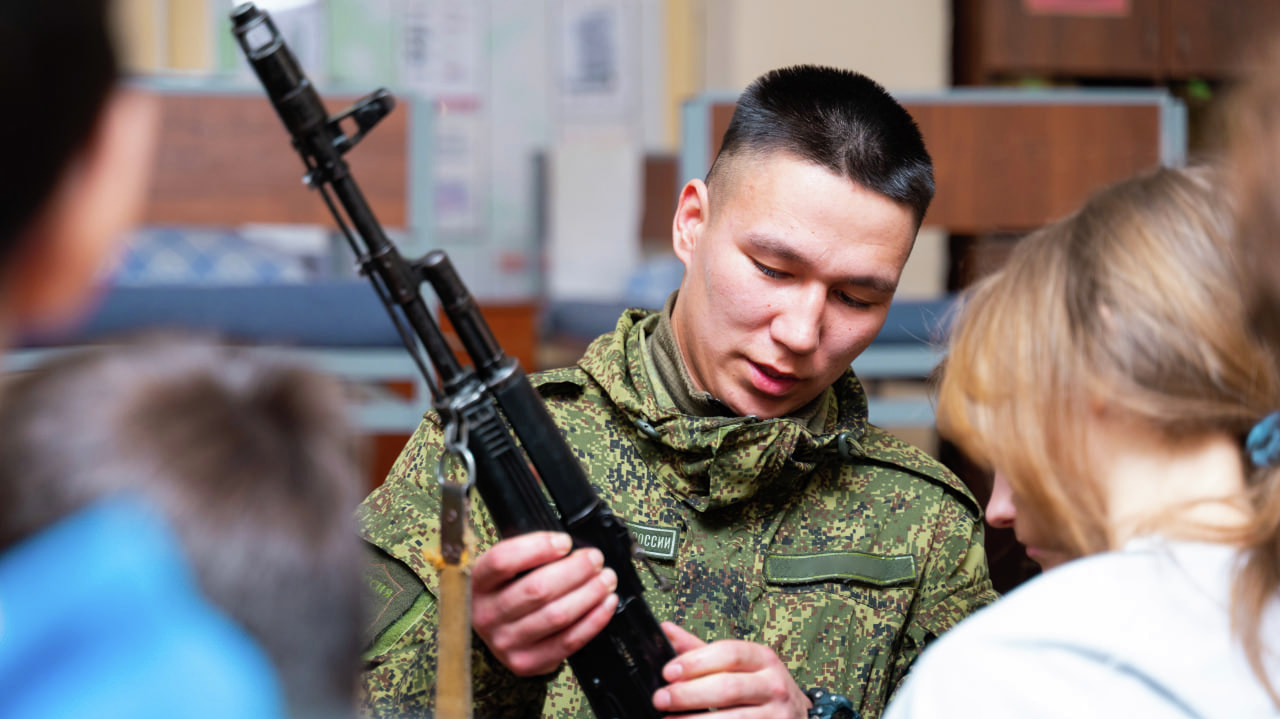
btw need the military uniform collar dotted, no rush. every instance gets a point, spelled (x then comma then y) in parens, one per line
(674, 386)
(718, 461)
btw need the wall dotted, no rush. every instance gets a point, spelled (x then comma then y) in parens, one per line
(904, 45)
(543, 179)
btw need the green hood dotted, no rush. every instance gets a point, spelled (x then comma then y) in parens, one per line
(719, 461)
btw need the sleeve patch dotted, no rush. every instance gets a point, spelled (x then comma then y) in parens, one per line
(392, 593)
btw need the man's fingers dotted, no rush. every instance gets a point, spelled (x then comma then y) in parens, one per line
(507, 559)
(729, 655)
(538, 589)
(540, 657)
(721, 691)
(681, 640)
(553, 616)
(535, 621)
(737, 677)
(551, 652)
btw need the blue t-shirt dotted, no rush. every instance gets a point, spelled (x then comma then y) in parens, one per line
(101, 617)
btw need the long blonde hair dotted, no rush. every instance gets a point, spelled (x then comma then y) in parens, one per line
(1133, 301)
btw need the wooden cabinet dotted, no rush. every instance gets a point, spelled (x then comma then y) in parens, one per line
(1152, 40)
(1004, 37)
(514, 325)
(1214, 39)
(224, 159)
(1011, 160)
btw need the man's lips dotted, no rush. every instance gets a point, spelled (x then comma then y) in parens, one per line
(771, 381)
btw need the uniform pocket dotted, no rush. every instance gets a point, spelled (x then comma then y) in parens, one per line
(836, 618)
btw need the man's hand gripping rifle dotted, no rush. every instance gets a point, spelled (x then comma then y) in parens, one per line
(620, 668)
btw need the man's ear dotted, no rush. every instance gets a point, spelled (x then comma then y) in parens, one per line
(78, 231)
(693, 212)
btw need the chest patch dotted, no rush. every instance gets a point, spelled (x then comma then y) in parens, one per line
(876, 570)
(657, 542)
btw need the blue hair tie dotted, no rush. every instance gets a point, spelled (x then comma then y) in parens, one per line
(1263, 443)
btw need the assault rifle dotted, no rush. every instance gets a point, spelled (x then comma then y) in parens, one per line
(620, 668)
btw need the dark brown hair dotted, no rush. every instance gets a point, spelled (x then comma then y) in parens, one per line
(57, 69)
(837, 119)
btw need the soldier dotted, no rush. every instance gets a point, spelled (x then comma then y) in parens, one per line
(811, 552)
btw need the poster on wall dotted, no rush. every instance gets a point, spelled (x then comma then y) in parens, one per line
(458, 165)
(597, 69)
(362, 42)
(442, 46)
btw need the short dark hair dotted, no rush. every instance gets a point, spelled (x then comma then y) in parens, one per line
(57, 69)
(250, 458)
(837, 119)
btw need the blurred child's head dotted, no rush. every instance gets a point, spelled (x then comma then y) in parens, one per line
(248, 455)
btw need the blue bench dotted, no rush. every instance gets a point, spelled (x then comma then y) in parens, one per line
(341, 327)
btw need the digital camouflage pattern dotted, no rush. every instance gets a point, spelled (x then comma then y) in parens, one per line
(845, 551)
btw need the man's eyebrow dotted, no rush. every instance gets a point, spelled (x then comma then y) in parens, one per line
(872, 282)
(786, 253)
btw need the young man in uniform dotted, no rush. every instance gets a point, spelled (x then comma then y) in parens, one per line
(810, 551)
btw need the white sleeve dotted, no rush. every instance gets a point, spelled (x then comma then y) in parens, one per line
(969, 675)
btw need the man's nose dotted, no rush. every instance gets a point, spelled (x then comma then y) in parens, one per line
(798, 324)
(1000, 509)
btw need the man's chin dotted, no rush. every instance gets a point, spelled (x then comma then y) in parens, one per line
(765, 408)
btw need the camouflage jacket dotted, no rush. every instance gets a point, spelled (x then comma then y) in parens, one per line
(844, 551)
